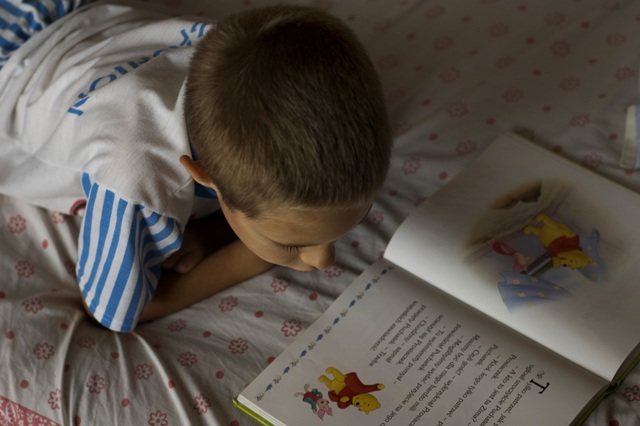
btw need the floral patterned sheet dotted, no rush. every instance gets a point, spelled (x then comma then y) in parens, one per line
(456, 74)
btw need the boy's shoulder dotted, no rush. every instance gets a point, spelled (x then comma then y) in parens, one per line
(105, 83)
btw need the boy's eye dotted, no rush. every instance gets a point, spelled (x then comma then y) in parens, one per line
(289, 249)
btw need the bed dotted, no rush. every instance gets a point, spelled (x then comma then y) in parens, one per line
(456, 74)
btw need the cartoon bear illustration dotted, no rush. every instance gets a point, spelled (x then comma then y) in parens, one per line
(560, 241)
(347, 389)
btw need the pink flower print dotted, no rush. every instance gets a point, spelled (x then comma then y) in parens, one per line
(202, 404)
(457, 109)
(43, 351)
(131, 337)
(158, 418)
(504, 62)
(442, 43)
(24, 269)
(466, 146)
(513, 95)
(375, 217)
(555, 18)
(57, 218)
(434, 12)
(187, 359)
(238, 346)
(143, 371)
(16, 224)
(402, 128)
(10, 412)
(593, 160)
(498, 30)
(611, 5)
(54, 399)
(527, 133)
(33, 305)
(560, 48)
(624, 73)
(291, 328)
(411, 165)
(395, 96)
(177, 325)
(228, 303)
(570, 84)
(388, 62)
(450, 75)
(279, 284)
(86, 342)
(323, 4)
(632, 393)
(381, 25)
(334, 271)
(95, 384)
(616, 39)
(580, 120)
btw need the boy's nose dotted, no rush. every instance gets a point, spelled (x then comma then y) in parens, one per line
(319, 257)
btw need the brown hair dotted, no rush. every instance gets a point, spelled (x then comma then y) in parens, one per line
(284, 107)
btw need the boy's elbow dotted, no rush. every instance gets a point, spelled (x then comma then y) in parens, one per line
(93, 319)
(89, 313)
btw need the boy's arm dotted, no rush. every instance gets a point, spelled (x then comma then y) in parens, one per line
(201, 238)
(223, 268)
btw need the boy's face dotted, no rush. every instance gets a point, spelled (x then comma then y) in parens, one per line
(299, 238)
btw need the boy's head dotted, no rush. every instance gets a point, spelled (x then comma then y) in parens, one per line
(285, 111)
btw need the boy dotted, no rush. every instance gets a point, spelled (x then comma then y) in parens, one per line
(137, 119)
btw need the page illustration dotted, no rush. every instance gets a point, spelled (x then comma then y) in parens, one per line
(319, 405)
(347, 390)
(404, 354)
(505, 298)
(343, 391)
(542, 247)
(537, 242)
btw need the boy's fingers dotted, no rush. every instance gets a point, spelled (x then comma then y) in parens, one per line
(171, 260)
(186, 263)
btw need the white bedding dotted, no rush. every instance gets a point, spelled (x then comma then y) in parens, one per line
(456, 74)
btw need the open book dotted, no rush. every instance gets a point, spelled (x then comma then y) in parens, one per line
(510, 297)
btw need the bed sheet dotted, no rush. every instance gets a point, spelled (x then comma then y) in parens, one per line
(456, 74)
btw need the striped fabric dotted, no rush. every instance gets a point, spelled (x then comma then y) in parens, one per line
(121, 247)
(20, 19)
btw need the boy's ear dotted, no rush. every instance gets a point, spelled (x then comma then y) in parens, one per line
(197, 172)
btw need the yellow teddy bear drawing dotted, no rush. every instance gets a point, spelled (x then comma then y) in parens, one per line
(347, 389)
(560, 241)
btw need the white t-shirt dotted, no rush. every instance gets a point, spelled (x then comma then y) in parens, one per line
(91, 109)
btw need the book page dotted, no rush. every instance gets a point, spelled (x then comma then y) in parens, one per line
(538, 243)
(392, 351)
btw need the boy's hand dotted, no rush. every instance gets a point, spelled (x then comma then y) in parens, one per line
(192, 251)
(201, 238)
